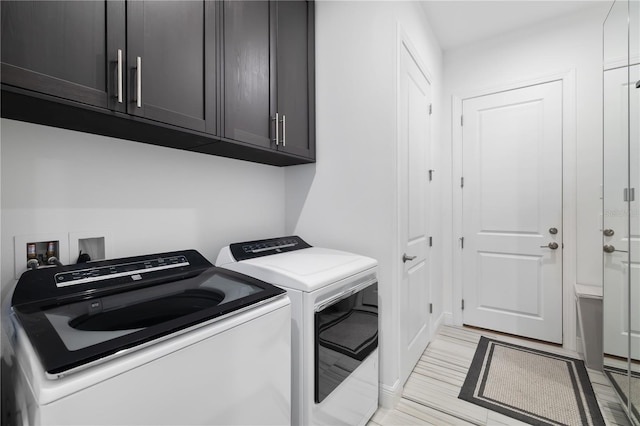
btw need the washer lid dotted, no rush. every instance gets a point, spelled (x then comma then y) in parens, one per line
(306, 269)
(98, 311)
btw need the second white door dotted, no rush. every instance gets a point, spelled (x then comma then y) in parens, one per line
(512, 211)
(414, 139)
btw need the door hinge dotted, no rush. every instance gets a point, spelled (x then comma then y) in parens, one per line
(462, 242)
(462, 306)
(430, 241)
(629, 194)
(462, 182)
(430, 109)
(461, 121)
(431, 175)
(430, 308)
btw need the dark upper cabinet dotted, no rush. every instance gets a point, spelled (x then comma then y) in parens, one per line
(268, 76)
(230, 78)
(67, 49)
(89, 52)
(171, 62)
(295, 77)
(249, 73)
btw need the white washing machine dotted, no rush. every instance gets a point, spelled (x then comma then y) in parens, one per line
(159, 339)
(334, 305)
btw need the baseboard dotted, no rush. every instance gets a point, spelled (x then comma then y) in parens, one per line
(435, 326)
(580, 346)
(448, 318)
(390, 395)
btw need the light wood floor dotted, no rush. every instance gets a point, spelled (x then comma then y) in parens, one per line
(431, 393)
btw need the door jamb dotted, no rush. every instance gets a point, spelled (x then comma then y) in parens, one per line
(569, 190)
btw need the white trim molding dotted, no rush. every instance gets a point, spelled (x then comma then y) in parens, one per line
(389, 396)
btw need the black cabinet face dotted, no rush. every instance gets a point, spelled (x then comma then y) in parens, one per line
(294, 83)
(248, 72)
(267, 83)
(67, 49)
(169, 48)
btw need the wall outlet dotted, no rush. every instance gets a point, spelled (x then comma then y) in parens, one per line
(40, 247)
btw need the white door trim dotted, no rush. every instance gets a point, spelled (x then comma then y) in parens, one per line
(569, 189)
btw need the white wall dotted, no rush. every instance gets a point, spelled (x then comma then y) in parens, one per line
(347, 200)
(557, 46)
(148, 199)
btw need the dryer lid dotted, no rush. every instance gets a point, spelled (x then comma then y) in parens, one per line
(307, 269)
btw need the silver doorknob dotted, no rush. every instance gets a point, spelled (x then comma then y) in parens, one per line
(608, 248)
(553, 231)
(552, 246)
(405, 258)
(608, 232)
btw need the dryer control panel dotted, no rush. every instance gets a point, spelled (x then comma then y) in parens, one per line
(258, 248)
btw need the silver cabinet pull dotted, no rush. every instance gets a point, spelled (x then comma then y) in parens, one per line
(277, 124)
(552, 246)
(406, 258)
(608, 248)
(139, 82)
(284, 130)
(119, 75)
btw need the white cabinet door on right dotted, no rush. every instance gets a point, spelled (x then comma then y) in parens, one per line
(512, 211)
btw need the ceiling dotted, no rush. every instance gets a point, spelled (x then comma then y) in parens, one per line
(457, 23)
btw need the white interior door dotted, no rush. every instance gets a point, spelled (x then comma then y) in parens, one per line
(413, 148)
(621, 224)
(512, 211)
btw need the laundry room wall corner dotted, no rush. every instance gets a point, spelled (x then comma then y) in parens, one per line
(348, 199)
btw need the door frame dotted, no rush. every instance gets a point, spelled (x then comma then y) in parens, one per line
(569, 192)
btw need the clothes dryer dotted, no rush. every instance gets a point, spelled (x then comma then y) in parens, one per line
(334, 305)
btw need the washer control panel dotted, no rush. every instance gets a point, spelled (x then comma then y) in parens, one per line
(133, 269)
(253, 249)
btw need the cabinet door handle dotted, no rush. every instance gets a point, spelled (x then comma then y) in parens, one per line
(275, 120)
(139, 82)
(284, 130)
(119, 75)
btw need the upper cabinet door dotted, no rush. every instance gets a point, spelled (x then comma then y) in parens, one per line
(295, 77)
(68, 49)
(171, 62)
(248, 74)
